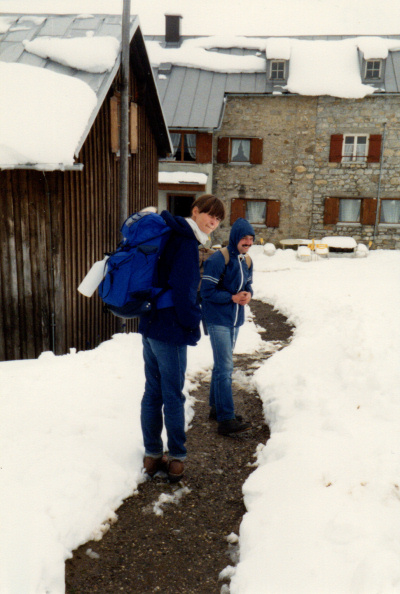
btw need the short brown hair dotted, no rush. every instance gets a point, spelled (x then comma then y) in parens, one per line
(211, 205)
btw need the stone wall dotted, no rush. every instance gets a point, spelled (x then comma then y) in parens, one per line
(296, 133)
(287, 126)
(350, 180)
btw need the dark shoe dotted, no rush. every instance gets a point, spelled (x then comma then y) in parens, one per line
(232, 426)
(153, 465)
(213, 415)
(175, 470)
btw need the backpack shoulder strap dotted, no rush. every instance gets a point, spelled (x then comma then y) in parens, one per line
(225, 253)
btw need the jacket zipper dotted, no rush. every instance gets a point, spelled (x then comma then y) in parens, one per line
(240, 288)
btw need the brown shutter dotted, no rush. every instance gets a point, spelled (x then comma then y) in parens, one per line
(238, 209)
(374, 151)
(204, 147)
(133, 128)
(114, 123)
(273, 212)
(223, 150)
(331, 213)
(256, 151)
(335, 154)
(368, 211)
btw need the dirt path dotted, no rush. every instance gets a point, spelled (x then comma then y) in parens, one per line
(184, 548)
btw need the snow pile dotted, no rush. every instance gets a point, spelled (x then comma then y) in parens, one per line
(43, 115)
(315, 67)
(326, 68)
(93, 54)
(323, 506)
(195, 55)
(181, 177)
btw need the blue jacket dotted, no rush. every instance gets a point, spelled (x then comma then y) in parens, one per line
(178, 269)
(216, 293)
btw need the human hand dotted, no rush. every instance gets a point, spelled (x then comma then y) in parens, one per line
(242, 298)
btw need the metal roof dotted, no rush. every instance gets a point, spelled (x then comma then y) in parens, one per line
(26, 27)
(194, 98)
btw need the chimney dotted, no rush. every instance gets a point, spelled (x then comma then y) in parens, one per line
(173, 29)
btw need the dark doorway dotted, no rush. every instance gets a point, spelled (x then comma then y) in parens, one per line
(180, 204)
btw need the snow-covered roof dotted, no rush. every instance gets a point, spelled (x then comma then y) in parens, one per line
(182, 177)
(194, 78)
(55, 72)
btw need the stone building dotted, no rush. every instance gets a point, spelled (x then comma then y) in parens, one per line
(299, 136)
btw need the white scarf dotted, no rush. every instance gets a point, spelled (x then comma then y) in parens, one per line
(200, 235)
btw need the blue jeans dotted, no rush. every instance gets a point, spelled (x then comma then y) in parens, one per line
(165, 367)
(223, 340)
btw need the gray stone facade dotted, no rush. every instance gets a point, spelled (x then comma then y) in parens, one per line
(295, 169)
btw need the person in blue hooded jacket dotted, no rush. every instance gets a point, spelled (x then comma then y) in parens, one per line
(225, 290)
(166, 333)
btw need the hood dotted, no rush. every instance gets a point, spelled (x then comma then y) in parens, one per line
(178, 224)
(240, 228)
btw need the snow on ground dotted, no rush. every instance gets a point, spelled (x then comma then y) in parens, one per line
(323, 506)
(323, 503)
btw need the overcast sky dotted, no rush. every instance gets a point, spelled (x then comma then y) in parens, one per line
(241, 17)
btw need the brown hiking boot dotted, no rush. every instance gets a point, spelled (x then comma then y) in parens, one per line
(175, 470)
(153, 465)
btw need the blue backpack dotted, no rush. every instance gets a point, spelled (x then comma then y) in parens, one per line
(128, 288)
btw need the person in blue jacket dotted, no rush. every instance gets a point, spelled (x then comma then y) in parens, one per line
(166, 333)
(225, 290)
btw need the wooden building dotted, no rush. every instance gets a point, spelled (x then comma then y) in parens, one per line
(55, 222)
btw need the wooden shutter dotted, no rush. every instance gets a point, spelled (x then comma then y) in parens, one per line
(335, 153)
(374, 150)
(238, 209)
(368, 211)
(256, 151)
(273, 212)
(223, 149)
(204, 147)
(114, 123)
(331, 213)
(133, 128)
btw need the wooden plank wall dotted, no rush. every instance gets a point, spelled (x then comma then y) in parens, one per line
(53, 227)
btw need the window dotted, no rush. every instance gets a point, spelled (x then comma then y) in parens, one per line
(277, 70)
(257, 212)
(373, 69)
(184, 145)
(355, 148)
(390, 211)
(350, 210)
(191, 146)
(239, 150)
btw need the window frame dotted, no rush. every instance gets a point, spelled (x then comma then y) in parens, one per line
(373, 78)
(380, 211)
(181, 148)
(278, 63)
(354, 158)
